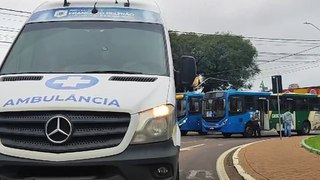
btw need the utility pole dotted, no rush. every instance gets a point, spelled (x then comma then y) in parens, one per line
(277, 88)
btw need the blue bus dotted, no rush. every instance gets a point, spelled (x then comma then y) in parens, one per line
(189, 112)
(231, 112)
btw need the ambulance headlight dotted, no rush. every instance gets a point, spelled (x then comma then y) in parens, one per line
(155, 125)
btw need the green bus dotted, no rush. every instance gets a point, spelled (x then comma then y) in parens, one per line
(305, 108)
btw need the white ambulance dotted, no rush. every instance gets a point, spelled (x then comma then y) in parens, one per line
(87, 91)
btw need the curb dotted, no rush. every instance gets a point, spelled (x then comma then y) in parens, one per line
(236, 163)
(222, 174)
(307, 147)
(221, 171)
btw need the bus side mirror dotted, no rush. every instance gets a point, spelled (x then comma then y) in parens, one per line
(186, 75)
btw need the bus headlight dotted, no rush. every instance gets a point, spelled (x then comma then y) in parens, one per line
(155, 125)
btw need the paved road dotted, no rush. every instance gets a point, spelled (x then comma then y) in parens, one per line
(199, 153)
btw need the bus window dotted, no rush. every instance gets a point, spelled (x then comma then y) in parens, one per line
(301, 104)
(314, 104)
(288, 104)
(273, 103)
(194, 105)
(236, 105)
(249, 101)
(181, 107)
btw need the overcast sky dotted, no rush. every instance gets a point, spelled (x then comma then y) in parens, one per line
(276, 19)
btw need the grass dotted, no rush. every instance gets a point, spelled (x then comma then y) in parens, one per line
(313, 142)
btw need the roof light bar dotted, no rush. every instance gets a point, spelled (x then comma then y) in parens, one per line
(127, 4)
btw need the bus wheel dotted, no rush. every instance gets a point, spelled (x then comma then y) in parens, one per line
(226, 135)
(184, 133)
(248, 132)
(202, 133)
(305, 128)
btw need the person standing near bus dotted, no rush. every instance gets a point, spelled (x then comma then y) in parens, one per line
(256, 124)
(287, 118)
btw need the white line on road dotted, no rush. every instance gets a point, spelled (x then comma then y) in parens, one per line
(191, 147)
(194, 174)
(186, 142)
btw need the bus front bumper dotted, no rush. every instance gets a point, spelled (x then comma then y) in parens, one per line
(213, 127)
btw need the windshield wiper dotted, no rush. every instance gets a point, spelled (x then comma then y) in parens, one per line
(114, 72)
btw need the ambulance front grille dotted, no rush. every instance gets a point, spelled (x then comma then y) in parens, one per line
(90, 130)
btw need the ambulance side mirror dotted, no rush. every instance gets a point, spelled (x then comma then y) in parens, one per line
(187, 72)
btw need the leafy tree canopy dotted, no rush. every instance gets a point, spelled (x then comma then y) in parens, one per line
(220, 56)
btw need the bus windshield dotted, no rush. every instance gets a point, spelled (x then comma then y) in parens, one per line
(88, 47)
(214, 108)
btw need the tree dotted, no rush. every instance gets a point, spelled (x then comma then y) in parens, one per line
(221, 56)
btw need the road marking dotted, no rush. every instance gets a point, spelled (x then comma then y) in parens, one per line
(200, 174)
(191, 147)
(186, 142)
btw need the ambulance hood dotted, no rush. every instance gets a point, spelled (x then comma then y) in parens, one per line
(89, 92)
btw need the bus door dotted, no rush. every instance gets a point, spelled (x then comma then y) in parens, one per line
(314, 107)
(263, 108)
(194, 111)
(237, 115)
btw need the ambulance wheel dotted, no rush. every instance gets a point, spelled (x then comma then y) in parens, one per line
(226, 135)
(184, 133)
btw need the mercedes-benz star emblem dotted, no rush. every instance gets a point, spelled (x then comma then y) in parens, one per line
(58, 129)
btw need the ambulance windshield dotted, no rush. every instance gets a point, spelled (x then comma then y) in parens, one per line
(88, 46)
